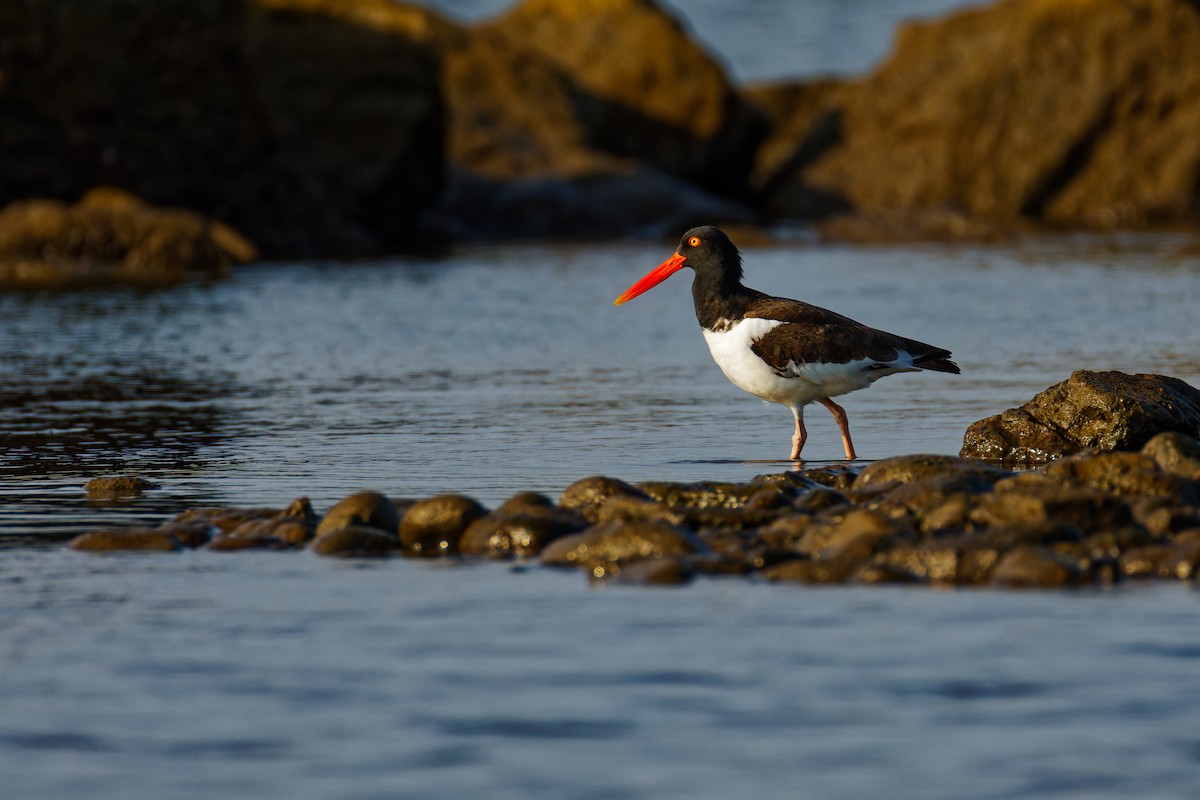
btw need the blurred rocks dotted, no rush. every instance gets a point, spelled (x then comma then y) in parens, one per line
(1088, 519)
(1075, 114)
(1101, 410)
(311, 126)
(110, 236)
(343, 129)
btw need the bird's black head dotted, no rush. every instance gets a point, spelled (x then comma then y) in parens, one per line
(709, 252)
(706, 250)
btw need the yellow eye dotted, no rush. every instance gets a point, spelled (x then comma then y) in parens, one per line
(694, 241)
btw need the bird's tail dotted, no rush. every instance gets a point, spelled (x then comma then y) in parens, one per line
(936, 360)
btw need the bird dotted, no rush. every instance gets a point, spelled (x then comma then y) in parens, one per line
(784, 351)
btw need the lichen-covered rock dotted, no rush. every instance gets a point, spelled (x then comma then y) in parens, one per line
(355, 541)
(1100, 410)
(363, 508)
(126, 539)
(108, 237)
(435, 525)
(118, 486)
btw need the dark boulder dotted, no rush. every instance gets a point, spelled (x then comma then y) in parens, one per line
(1100, 410)
(643, 87)
(312, 126)
(137, 539)
(355, 541)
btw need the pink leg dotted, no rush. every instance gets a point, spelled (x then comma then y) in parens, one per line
(800, 436)
(839, 414)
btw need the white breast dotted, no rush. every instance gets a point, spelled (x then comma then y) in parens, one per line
(799, 384)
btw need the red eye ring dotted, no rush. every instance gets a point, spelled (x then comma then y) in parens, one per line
(694, 241)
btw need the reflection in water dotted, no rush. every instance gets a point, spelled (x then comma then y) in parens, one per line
(67, 418)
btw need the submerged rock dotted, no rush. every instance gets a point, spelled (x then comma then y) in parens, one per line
(118, 486)
(126, 539)
(355, 541)
(1100, 410)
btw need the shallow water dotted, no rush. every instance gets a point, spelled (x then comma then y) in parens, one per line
(504, 369)
(266, 675)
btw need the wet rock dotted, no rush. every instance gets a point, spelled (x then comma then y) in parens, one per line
(363, 508)
(883, 573)
(220, 521)
(125, 539)
(587, 495)
(644, 88)
(821, 499)
(312, 126)
(904, 469)
(518, 534)
(806, 571)
(526, 502)
(1028, 503)
(1100, 410)
(196, 533)
(859, 529)
(1175, 453)
(1123, 474)
(664, 571)
(279, 532)
(637, 509)
(959, 563)
(1075, 113)
(434, 526)
(355, 541)
(236, 543)
(1168, 519)
(616, 542)
(1038, 568)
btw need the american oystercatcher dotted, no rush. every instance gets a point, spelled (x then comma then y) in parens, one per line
(781, 350)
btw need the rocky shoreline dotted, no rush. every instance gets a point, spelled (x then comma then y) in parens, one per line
(1125, 506)
(316, 128)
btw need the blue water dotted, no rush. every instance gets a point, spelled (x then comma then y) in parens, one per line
(267, 675)
(501, 369)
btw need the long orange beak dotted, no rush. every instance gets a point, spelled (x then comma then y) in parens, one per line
(656, 276)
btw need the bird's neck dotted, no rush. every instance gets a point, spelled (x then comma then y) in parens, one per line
(720, 299)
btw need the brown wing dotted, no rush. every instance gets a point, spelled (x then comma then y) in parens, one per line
(811, 333)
